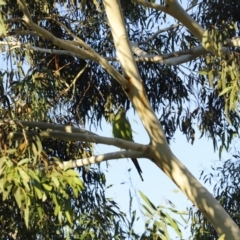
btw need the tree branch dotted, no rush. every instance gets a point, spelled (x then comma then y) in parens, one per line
(174, 9)
(83, 136)
(44, 125)
(175, 58)
(160, 31)
(151, 5)
(100, 158)
(168, 59)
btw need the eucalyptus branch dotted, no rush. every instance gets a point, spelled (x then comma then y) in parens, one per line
(38, 49)
(123, 144)
(151, 5)
(13, 20)
(160, 31)
(99, 158)
(174, 58)
(234, 42)
(168, 59)
(174, 9)
(75, 79)
(193, 4)
(44, 125)
(134, 44)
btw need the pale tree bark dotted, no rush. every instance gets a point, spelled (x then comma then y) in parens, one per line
(158, 149)
(160, 153)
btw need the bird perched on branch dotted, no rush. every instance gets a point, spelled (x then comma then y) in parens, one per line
(122, 129)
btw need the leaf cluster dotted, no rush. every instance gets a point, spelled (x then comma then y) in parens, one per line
(159, 220)
(42, 202)
(34, 195)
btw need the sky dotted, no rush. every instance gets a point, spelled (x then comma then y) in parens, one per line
(156, 185)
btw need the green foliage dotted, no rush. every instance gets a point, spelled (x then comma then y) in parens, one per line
(39, 198)
(215, 12)
(54, 203)
(34, 189)
(222, 69)
(159, 220)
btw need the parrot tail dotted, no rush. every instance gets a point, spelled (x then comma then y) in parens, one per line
(135, 162)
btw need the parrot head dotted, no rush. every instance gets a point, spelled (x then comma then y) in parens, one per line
(121, 111)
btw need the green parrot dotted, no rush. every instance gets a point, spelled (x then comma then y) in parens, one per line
(122, 129)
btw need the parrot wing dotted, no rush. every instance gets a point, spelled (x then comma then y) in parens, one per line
(121, 126)
(122, 129)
